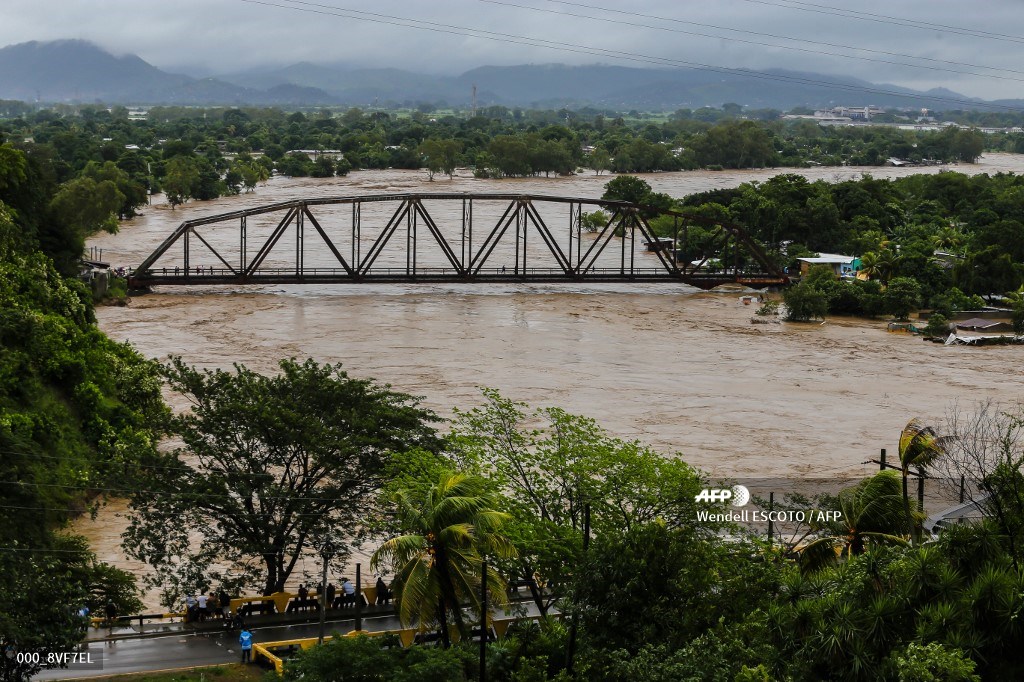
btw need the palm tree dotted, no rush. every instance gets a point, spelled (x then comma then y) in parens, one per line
(948, 239)
(450, 527)
(881, 264)
(919, 447)
(872, 514)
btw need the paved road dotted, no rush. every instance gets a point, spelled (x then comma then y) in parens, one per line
(183, 649)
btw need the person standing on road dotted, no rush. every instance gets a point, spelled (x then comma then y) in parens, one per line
(383, 593)
(245, 640)
(225, 604)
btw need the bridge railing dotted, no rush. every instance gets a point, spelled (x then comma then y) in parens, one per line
(205, 273)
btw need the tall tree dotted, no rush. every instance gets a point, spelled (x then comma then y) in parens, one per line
(267, 463)
(919, 447)
(872, 514)
(551, 465)
(449, 526)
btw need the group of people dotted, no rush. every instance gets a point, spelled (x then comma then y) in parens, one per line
(109, 613)
(199, 608)
(343, 597)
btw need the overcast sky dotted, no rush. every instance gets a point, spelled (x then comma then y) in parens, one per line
(204, 37)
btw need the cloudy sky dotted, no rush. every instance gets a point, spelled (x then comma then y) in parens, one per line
(973, 47)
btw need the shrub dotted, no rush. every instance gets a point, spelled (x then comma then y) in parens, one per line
(805, 303)
(902, 296)
(938, 325)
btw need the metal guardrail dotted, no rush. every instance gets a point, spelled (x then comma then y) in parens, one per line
(406, 636)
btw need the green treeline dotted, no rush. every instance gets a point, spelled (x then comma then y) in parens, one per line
(953, 237)
(203, 154)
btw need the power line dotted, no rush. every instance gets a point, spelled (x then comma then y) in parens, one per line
(404, 22)
(115, 463)
(79, 510)
(887, 19)
(764, 35)
(166, 492)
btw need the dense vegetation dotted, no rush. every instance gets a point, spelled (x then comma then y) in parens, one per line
(665, 597)
(941, 241)
(201, 154)
(75, 410)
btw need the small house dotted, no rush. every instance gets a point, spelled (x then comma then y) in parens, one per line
(843, 266)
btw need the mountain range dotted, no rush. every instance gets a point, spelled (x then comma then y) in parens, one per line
(80, 72)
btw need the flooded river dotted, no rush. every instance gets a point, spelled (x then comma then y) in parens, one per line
(683, 370)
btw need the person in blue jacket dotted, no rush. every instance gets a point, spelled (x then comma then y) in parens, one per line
(245, 639)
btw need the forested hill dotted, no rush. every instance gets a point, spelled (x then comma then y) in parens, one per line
(78, 71)
(76, 411)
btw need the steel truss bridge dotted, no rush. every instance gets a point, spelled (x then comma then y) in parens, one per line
(395, 238)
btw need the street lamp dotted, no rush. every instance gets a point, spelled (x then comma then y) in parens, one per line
(327, 549)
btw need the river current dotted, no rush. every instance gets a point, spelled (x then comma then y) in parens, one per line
(683, 370)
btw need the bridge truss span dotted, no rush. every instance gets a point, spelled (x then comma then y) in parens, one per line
(455, 237)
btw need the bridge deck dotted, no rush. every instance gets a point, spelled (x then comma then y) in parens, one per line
(163, 277)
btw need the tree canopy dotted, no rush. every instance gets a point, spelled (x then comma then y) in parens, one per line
(267, 464)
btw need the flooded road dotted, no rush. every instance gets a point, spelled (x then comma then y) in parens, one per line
(683, 370)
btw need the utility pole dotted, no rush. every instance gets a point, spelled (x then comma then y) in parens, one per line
(359, 598)
(474, 100)
(483, 621)
(325, 546)
(570, 652)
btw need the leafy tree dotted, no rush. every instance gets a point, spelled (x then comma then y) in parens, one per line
(180, 180)
(653, 585)
(599, 160)
(40, 594)
(295, 164)
(551, 465)
(627, 188)
(901, 297)
(450, 526)
(74, 409)
(938, 325)
(804, 303)
(987, 271)
(271, 462)
(88, 206)
(594, 221)
(441, 156)
(323, 167)
(934, 662)
(132, 189)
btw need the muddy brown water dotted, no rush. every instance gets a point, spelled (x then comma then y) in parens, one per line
(682, 370)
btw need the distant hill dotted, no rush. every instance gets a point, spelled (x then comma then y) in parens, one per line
(79, 71)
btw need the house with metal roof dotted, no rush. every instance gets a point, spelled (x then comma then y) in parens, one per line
(841, 265)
